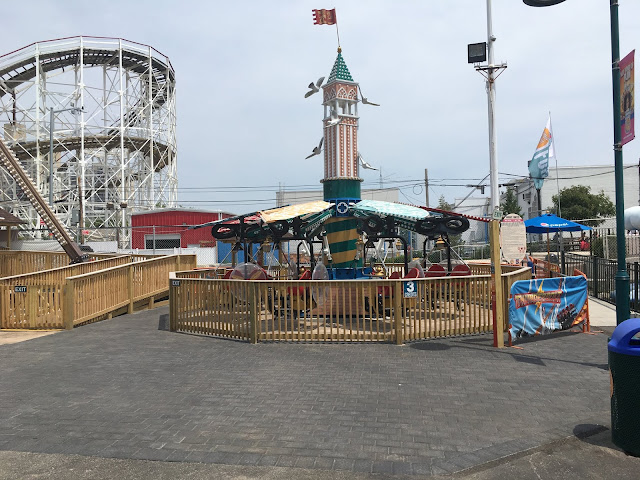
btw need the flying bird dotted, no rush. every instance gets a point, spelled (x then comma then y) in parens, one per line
(333, 119)
(316, 150)
(315, 88)
(365, 101)
(364, 164)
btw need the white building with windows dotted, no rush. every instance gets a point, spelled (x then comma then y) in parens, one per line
(601, 178)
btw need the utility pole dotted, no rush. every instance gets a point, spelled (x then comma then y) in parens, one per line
(491, 93)
(426, 187)
(491, 71)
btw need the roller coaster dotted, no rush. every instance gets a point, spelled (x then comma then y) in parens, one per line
(9, 162)
(114, 156)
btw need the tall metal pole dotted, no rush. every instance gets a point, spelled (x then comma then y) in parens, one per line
(426, 187)
(622, 277)
(491, 96)
(51, 157)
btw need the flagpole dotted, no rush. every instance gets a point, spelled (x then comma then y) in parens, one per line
(560, 233)
(553, 140)
(337, 32)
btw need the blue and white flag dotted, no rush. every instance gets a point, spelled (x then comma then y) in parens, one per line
(539, 164)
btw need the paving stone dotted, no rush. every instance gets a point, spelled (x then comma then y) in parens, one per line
(121, 388)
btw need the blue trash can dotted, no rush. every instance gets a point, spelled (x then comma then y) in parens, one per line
(624, 372)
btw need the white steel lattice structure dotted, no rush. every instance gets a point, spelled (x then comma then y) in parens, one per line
(114, 129)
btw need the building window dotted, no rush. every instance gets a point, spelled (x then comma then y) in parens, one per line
(163, 240)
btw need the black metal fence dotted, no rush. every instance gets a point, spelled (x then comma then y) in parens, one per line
(601, 275)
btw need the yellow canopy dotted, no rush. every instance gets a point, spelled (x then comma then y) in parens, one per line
(293, 211)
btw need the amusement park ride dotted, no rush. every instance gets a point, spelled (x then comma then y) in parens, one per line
(343, 224)
(12, 165)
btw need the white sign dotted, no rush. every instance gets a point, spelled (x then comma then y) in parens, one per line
(513, 238)
(409, 289)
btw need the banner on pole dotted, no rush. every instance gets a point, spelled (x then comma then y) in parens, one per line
(542, 306)
(627, 129)
(539, 164)
(324, 17)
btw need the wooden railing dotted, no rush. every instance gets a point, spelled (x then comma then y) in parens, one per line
(342, 311)
(19, 262)
(59, 274)
(99, 295)
(68, 296)
(347, 310)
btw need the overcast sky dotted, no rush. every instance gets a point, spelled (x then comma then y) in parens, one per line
(242, 69)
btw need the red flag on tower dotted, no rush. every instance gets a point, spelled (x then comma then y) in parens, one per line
(324, 17)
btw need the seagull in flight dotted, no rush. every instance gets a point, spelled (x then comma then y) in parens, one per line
(364, 164)
(315, 88)
(333, 119)
(365, 101)
(316, 150)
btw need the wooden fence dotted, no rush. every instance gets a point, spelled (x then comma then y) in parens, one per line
(19, 262)
(333, 311)
(68, 296)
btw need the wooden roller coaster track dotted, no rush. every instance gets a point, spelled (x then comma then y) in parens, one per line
(9, 161)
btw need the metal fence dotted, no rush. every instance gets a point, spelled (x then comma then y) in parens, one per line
(601, 274)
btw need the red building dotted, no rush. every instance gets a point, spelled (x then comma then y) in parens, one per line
(169, 228)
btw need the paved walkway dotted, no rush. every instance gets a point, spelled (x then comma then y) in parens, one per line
(124, 389)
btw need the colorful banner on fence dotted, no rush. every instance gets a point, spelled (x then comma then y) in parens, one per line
(539, 164)
(627, 129)
(542, 306)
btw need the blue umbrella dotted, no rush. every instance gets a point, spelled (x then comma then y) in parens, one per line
(552, 223)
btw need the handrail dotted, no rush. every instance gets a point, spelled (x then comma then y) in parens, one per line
(55, 300)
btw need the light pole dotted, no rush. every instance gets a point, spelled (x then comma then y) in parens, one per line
(52, 113)
(478, 53)
(622, 277)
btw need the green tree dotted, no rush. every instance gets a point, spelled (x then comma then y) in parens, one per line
(454, 240)
(578, 203)
(444, 205)
(510, 204)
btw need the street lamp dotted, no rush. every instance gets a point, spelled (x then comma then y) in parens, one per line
(477, 53)
(622, 277)
(52, 113)
(490, 72)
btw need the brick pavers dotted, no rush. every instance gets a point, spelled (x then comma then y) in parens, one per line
(124, 389)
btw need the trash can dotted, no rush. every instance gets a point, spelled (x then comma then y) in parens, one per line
(624, 373)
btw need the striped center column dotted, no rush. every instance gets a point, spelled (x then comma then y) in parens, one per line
(342, 233)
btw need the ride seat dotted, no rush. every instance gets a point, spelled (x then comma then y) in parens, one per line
(460, 271)
(435, 270)
(413, 273)
(386, 291)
